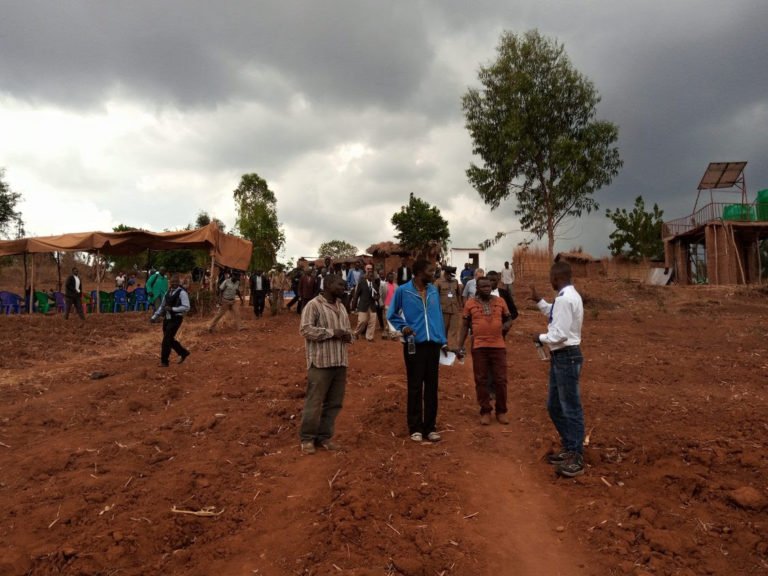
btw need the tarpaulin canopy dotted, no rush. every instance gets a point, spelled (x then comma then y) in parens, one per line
(228, 250)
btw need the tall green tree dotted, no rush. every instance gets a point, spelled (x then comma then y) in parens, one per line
(420, 227)
(533, 126)
(638, 233)
(11, 222)
(129, 262)
(257, 220)
(337, 249)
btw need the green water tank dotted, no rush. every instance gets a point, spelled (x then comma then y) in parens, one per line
(738, 212)
(761, 205)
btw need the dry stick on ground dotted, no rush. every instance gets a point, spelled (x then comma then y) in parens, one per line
(393, 528)
(332, 480)
(471, 516)
(208, 511)
(4, 445)
(55, 519)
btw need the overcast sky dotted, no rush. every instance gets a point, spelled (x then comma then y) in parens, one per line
(146, 113)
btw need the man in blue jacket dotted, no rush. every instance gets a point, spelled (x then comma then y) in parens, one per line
(415, 312)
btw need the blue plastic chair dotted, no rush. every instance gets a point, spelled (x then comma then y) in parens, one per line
(140, 299)
(10, 303)
(120, 301)
(60, 301)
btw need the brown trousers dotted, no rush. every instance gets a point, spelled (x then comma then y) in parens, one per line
(494, 359)
(227, 306)
(452, 328)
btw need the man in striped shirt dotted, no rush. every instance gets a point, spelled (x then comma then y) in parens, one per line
(325, 327)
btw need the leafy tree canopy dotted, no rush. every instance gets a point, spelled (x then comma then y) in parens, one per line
(257, 220)
(203, 219)
(533, 126)
(638, 233)
(337, 249)
(419, 226)
(10, 218)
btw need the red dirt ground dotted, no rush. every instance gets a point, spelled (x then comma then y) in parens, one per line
(674, 391)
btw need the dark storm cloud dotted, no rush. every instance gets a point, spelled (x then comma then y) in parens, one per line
(280, 88)
(199, 53)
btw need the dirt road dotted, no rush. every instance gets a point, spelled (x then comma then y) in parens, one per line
(96, 476)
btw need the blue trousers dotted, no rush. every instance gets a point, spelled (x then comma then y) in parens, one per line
(564, 402)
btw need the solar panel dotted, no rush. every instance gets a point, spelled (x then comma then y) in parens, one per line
(722, 175)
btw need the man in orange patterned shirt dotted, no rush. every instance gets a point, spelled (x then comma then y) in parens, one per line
(490, 320)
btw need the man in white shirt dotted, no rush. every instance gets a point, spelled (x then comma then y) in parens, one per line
(563, 337)
(508, 278)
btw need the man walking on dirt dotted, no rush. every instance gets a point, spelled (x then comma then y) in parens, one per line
(174, 305)
(73, 294)
(259, 290)
(415, 312)
(230, 289)
(327, 333)
(490, 320)
(365, 298)
(563, 338)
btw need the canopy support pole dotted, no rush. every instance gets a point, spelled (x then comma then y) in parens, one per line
(98, 285)
(213, 266)
(58, 269)
(32, 286)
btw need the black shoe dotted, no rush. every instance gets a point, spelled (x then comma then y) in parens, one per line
(555, 458)
(163, 365)
(184, 357)
(573, 467)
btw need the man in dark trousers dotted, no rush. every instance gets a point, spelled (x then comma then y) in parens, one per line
(563, 338)
(172, 308)
(259, 290)
(73, 295)
(415, 312)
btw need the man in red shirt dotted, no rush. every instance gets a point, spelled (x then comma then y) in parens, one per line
(490, 320)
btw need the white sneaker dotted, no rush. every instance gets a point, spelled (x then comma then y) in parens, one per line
(434, 437)
(417, 437)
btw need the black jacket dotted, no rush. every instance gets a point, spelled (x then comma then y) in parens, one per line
(264, 283)
(399, 276)
(363, 299)
(70, 287)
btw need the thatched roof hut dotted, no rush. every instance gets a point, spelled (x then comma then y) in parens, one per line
(385, 249)
(582, 264)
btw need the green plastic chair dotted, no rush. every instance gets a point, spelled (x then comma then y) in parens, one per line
(106, 301)
(43, 304)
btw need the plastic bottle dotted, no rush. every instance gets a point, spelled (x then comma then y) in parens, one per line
(541, 351)
(411, 344)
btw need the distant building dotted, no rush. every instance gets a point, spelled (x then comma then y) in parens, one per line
(460, 256)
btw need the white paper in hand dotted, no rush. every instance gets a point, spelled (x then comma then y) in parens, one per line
(448, 358)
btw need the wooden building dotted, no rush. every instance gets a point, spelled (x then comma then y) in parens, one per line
(719, 243)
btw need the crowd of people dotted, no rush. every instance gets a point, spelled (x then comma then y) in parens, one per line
(431, 311)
